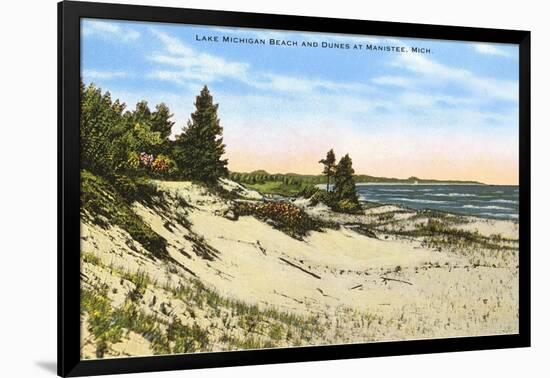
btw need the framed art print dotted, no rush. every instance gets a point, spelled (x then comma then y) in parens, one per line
(239, 188)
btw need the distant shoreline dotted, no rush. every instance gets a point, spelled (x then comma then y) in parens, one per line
(418, 184)
(360, 179)
(425, 183)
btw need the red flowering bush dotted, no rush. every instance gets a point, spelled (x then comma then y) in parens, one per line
(282, 215)
(162, 164)
(146, 159)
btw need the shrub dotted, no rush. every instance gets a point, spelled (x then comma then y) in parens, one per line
(163, 164)
(308, 191)
(348, 206)
(283, 215)
(126, 186)
(325, 197)
(330, 199)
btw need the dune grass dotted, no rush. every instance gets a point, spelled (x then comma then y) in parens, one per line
(246, 326)
(102, 204)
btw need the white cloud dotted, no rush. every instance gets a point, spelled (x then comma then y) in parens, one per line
(435, 72)
(103, 75)
(423, 101)
(108, 31)
(487, 49)
(433, 100)
(293, 84)
(356, 102)
(188, 65)
(397, 81)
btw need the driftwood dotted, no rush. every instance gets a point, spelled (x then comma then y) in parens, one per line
(286, 296)
(356, 287)
(395, 279)
(299, 267)
(262, 249)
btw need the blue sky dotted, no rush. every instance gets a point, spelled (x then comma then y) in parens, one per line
(452, 113)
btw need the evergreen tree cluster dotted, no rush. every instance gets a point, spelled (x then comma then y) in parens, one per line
(117, 142)
(343, 196)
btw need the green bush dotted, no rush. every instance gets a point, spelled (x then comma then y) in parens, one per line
(348, 206)
(126, 186)
(322, 196)
(330, 199)
(308, 191)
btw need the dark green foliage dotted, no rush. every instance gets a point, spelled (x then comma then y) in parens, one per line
(344, 186)
(329, 164)
(158, 121)
(343, 197)
(199, 149)
(142, 114)
(325, 197)
(308, 191)
(101, 202)
(111, 141)
(187, 339)
(101, 124)
(161, 121)
(134, 188)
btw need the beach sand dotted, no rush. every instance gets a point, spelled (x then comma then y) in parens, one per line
(340, 284)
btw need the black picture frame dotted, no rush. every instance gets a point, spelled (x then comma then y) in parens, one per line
(69, 15)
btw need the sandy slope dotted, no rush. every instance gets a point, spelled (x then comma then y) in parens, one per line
(405, 289)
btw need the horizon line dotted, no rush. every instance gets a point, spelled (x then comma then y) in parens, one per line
(381, 177)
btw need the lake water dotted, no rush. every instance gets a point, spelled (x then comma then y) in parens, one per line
(486, 201)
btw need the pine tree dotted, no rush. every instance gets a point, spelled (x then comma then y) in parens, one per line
(142, 112)
(344, 185)
(329, 163)
(161, 121)
(199, 149)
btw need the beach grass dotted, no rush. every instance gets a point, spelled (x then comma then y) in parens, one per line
(249, 326)
(104, 205)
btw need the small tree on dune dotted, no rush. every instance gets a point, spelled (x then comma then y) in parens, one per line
(329, 166)
(344, 185)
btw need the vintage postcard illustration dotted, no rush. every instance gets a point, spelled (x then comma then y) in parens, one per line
(250, 189)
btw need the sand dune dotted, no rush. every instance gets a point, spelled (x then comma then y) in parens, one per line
(359, 288)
